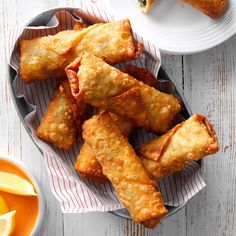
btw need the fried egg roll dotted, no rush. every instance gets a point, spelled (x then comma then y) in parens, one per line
(123, 168)
(62, 119)
(212, 8)
(188, 141)
(87, 164)
(47, 57)
(106, 87)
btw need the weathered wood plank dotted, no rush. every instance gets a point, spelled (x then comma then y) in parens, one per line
(95, 223)
(13, 139)
(210, 89)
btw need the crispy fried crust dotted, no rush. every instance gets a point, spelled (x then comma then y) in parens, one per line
(189, 141)
(129, 104)
(87, 164)
(47, 57)
(99, 83)
(78, 106)
(125, 126)
(212, 8)
(141, 74)
(79, 26)
(58, 125)
(123, 168)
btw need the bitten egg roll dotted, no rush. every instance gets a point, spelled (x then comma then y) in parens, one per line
(87, 164)
(47, 57)
(62, 118)
(188, 141)
(106, 87)
(145, 5)
(123, 168)
(212, 8)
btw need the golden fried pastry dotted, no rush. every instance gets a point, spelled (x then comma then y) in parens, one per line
(87, 164)
(212, 8)
(77, 106)
(145, 5)
(188, 141)
(141, 74)
(47, 57)
(58, 126)
(106, 87)
(62, 118)
(79, 26)
(122, 167)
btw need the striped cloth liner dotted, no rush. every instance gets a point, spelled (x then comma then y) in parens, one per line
(77, 195)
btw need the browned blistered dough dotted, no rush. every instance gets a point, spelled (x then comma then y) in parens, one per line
(212, 8)
(122, 167)
(47, 57)
(57, 125)
(79, 26)
(101, 85)
(87, 164)
(78, 106)
(141, 74)
(188, 141)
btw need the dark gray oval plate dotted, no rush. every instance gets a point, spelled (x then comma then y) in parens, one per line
(23, 108)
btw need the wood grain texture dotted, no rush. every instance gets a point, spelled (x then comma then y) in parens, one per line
(208, 81)
(209, 86)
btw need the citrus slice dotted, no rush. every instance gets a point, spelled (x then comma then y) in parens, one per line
(7, 223)
(3, 206)
(14, 184)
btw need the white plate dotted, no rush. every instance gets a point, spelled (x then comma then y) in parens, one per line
(174, 26)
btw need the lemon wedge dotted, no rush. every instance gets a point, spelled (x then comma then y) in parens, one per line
(7, 223)
(14, 184)
(3, 206)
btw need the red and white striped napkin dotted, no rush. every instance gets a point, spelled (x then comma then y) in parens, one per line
(75, 194)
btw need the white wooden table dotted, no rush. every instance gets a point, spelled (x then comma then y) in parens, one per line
(208, 81)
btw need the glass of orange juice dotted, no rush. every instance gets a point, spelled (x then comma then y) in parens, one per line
(29, 209)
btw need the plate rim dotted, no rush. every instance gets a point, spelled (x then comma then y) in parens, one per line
(166, 50)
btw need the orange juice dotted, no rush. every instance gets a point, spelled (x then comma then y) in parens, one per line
(26, 206)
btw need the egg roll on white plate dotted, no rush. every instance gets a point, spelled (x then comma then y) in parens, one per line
(212, 8)
(46, 57)
(188, 141)
(122, 167)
